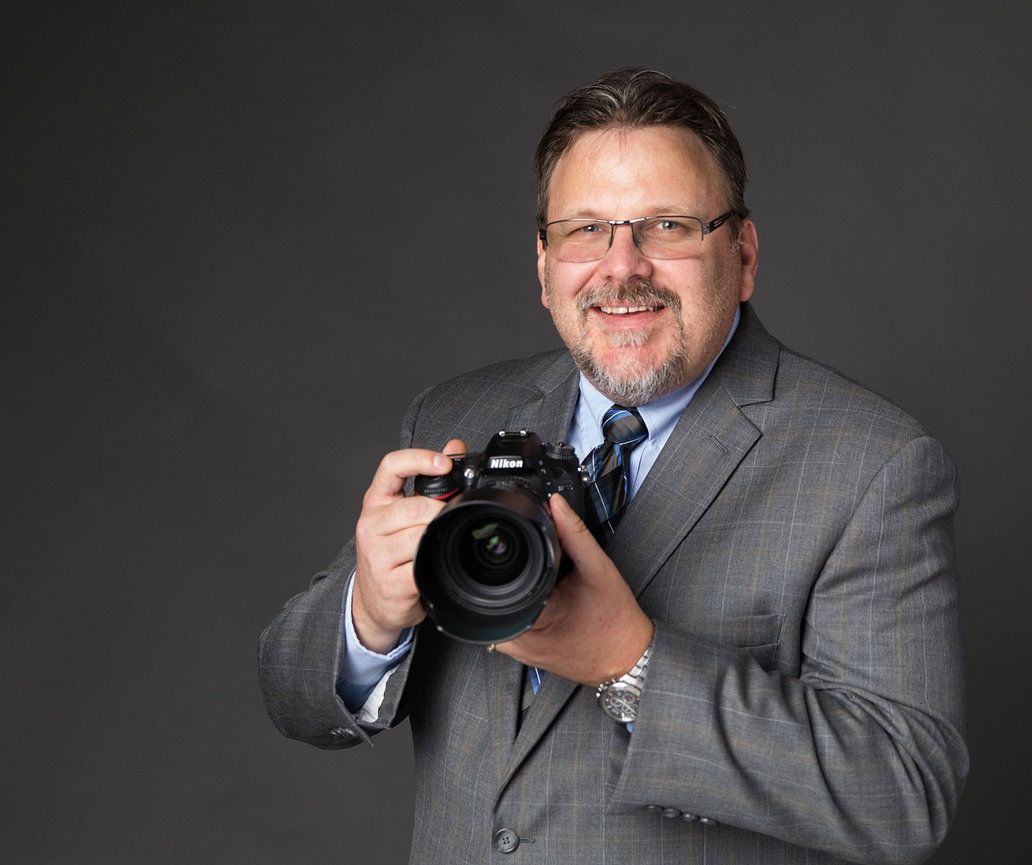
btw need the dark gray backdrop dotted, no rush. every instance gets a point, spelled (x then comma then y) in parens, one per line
(239, 239)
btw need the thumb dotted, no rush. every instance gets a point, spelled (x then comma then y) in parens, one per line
(576, 538)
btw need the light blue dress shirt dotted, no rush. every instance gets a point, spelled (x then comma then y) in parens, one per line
(362, 669)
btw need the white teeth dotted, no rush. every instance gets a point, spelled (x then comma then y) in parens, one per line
(623, 310)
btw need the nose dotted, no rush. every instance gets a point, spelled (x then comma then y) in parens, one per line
(624, 261)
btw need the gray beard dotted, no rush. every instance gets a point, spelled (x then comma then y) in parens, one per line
(635, 389)
(631, 391)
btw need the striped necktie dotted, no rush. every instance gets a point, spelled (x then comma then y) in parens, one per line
(609, 468)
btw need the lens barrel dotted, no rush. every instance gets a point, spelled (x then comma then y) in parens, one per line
(486, 564)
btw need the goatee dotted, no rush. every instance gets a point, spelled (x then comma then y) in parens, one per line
(630, 386)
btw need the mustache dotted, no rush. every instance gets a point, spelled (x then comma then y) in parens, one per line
(638, 293)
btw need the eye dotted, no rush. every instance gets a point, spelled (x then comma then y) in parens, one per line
(670, 228)
(577, 230)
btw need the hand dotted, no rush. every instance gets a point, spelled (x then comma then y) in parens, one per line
(385, 598)
(592, 629)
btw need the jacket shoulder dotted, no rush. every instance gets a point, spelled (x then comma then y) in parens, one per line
(477, 403)
(830, 406)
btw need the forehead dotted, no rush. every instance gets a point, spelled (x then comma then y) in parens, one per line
(623, 173)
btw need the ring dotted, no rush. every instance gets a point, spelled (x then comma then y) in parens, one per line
(490, 647)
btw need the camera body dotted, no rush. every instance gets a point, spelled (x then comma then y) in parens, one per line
(487, 563)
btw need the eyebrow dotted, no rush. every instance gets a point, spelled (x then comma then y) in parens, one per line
(662, 210)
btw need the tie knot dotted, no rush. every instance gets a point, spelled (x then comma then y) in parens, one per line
(624, 426)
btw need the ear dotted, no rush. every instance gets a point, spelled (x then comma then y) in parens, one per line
(541, 270)
(749, 250)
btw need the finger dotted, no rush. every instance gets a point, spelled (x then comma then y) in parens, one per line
(531, 646)
(551, 613)
(512, 649)
(392, 586)
(518, 649)
(404, 513)
(575, 537)
(395, 550)
(455, 447)
(398, 466)
(402, 584)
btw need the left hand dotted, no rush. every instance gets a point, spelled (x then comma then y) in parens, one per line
(592, 629)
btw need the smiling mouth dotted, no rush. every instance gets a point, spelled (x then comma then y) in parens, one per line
(626, 310)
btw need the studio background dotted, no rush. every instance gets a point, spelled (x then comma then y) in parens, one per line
(239, 238)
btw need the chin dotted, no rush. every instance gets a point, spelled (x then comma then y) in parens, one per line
(633, 378)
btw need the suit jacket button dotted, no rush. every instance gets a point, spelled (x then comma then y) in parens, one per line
(506, 841)
(653, 808)
(707, 821)
(689, 817)
(671, 812)
(339, 733)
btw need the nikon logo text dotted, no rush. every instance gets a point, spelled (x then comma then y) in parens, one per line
(504, 463)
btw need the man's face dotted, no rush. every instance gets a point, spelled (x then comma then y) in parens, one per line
(634, 357)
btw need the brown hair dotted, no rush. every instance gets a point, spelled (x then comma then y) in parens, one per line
(630, 98)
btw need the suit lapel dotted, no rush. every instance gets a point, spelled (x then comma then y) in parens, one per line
(504, 683)
(554, 693)
(711, 438)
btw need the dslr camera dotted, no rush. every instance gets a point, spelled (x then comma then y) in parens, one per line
(487, 563)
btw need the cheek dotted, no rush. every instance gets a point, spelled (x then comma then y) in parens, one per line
(561, 285)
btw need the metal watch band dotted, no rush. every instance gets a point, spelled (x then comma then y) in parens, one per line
(619, 698)
(636, 674)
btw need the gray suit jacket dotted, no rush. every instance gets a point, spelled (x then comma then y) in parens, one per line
(805, 698)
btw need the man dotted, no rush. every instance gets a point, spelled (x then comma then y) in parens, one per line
(779, 597)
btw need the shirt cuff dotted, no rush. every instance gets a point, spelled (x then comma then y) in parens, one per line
(362, 669)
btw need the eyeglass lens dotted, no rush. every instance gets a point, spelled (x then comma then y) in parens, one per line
(578, 240)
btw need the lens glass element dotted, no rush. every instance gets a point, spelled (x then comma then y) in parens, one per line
(492, 552)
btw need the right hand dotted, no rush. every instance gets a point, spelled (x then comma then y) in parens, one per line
(385, 599)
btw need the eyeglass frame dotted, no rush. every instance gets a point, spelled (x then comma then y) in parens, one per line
(706, 228)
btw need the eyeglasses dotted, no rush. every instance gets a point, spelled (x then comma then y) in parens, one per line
(663, 237)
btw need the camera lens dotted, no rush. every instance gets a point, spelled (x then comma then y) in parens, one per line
(486, 564)
(493, 553)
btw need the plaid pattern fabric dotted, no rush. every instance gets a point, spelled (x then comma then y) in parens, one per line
(609, 467)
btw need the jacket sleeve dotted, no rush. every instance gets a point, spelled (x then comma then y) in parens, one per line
(861, 755)
(299, 657)
(300, 652)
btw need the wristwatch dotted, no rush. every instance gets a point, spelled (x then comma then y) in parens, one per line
(619, 698)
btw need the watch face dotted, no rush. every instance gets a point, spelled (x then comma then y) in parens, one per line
(620, 702)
